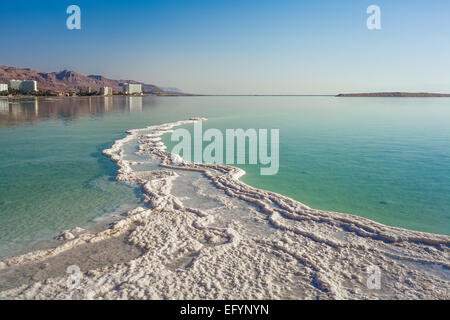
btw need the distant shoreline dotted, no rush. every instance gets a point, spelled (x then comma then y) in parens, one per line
(341, 95)
(395, 95)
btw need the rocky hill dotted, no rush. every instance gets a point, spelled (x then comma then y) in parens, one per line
(67, 80)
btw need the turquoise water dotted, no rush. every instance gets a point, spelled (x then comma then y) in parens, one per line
(383, 158)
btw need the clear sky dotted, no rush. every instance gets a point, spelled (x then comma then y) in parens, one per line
(238, 46)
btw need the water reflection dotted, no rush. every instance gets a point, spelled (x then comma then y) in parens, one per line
(15, 111)
(4, 106)
(134, 104)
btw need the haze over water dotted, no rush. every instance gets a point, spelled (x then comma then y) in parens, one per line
(385, 159)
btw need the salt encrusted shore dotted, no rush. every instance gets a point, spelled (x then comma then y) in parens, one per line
(248, 244)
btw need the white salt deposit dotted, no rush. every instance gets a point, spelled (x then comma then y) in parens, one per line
(206, 235)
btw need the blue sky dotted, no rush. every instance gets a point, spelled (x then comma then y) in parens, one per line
(238, 47)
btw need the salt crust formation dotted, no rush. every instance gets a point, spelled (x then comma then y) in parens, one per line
(207, 235)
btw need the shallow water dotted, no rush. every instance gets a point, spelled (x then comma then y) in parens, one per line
(385, 159)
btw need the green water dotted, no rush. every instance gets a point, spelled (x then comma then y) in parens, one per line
(382, 158)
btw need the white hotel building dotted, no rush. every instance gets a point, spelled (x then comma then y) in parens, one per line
(24, 85)
(130, 88)
(3, 87)
(106, 91)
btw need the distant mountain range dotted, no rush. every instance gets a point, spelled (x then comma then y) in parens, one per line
(70, 81)
(171, 89)
(396, 95)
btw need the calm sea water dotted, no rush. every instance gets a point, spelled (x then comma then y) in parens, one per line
(383, 158)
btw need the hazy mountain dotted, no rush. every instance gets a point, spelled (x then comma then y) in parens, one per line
(170, 89)
(395, 94)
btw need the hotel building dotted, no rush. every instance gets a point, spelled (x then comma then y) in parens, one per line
(24, 85)
(131, 88)
(106, 91)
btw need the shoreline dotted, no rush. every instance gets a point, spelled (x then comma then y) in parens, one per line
(331, 236)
